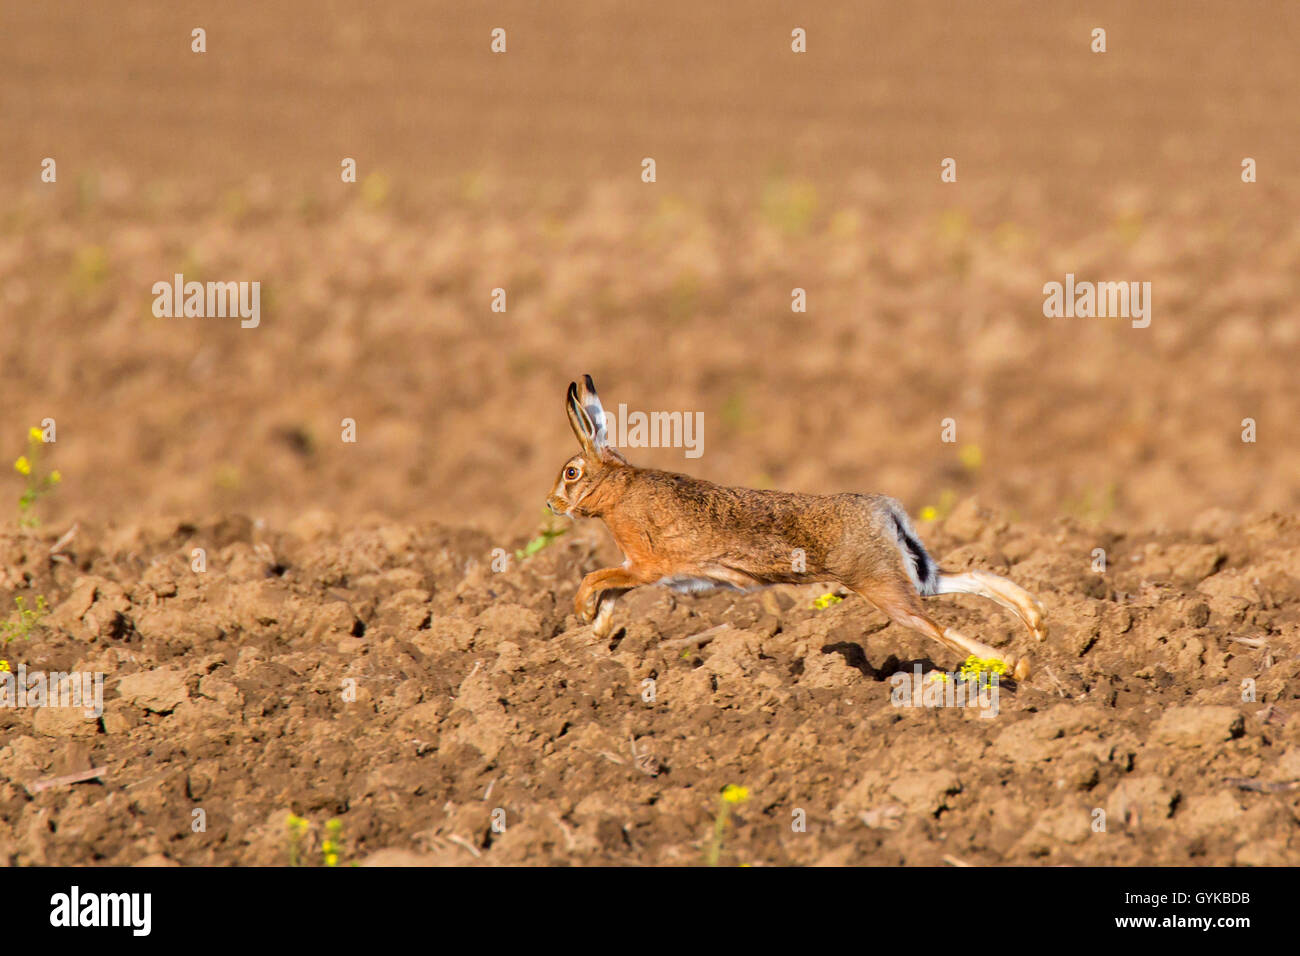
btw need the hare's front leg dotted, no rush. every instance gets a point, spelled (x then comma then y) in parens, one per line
(597, 594)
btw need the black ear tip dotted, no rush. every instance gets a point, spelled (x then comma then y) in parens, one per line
(591, 386)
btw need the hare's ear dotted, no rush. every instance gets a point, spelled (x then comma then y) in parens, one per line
(580, 421)
(587, 416)
(595, 411)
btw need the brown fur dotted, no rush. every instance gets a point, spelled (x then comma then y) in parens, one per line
(673, 526)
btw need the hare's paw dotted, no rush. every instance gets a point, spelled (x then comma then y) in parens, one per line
(584, 606)
(1020, 668)
(603, 624)
(1030, 609)
(1036, 619)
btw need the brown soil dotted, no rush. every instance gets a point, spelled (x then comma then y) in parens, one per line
(476, 690)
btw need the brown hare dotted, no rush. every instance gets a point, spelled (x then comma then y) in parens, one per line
(693, 535)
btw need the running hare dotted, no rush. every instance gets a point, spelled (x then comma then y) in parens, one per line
(693, 535)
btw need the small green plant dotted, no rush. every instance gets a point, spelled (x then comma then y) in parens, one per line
(978, 668)
(28, 466)
(735, 413)
(682, 298)
(732, 796)
(375, 190)
(1093, 505)
(789, 205)
(947, 499)
(331, 848)
(971, 456)
(548, 533)
(28, 618)
(297, 828)
(89, 270)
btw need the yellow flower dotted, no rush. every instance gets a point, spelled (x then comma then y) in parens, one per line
(23, 466)
(374, 189)
(733, 794)
(826, 600)
(35, 434)
(972, 456)
(55, 477)
(929, 513)
(975, 667)
(4, 665)
(332, 859)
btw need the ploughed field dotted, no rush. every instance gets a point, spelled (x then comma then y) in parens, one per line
(383, 674)
(349, 651)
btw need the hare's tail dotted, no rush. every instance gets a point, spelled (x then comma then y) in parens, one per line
(920, 567)
(929, 579)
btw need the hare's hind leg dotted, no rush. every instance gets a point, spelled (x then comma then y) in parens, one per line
(996, 588)
(898, 599)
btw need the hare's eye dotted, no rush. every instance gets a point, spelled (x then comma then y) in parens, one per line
(571, 473)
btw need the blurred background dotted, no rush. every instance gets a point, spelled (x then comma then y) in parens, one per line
(775, 170)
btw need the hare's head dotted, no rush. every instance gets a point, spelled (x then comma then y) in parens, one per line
(584, 472)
